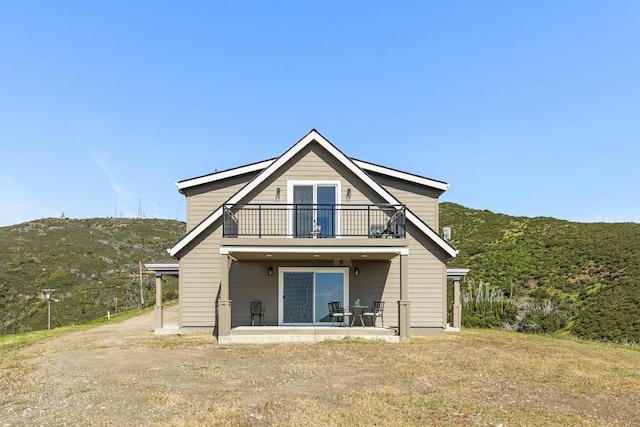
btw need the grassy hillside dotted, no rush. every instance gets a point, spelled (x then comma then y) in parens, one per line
(579, 277)
(91, 263)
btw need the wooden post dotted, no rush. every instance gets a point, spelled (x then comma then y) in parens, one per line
(404, 309)
(140, 277)
(159, 307)
(224, 303)
(457, 307)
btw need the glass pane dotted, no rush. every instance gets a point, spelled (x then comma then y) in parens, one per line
(329, 287)
(303, 210)
(327, 210)
(298, 297)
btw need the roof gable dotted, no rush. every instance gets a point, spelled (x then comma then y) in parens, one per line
(259, 166)
(275, 165)
(218, 176)
(405, 176)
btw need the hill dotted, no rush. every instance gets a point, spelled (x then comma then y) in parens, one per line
(91, 263)
(579, 277)
(526, 274)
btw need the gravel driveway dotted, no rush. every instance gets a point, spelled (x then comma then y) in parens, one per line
(122, 374)
(114, 374)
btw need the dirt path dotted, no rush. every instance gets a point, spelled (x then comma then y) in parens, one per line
(105, 375)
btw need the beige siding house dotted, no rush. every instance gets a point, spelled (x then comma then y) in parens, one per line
(307, 228)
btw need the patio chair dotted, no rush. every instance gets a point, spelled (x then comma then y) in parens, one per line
(377, 310)
(257, 310)
(336, 311)
(376, 231)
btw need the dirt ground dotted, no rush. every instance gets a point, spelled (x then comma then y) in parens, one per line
(122, 374)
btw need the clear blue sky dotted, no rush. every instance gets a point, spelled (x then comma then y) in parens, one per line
(525, 108)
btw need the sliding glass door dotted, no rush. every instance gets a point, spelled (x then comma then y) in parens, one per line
(314, 208)
(305, 294)
(303, 215)
(326, 213)
(297, 297)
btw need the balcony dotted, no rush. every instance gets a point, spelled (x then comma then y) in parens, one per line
(314, 221)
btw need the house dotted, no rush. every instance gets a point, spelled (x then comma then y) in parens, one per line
(304, 229)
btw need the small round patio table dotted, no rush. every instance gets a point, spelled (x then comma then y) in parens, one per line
(357, 313)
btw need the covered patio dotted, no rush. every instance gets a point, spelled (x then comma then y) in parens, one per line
(274, 273)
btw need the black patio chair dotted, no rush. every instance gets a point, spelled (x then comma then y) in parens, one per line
(377, 310)
(336, 311)
(257, 310)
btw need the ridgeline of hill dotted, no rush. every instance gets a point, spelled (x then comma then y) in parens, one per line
(545, 274)
(93, 265)
(527, 274)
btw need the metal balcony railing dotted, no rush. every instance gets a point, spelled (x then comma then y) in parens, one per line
(314, 221)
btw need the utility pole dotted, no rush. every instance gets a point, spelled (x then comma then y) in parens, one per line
(47, 296)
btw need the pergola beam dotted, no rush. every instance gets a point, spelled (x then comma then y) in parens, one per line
(161, 269)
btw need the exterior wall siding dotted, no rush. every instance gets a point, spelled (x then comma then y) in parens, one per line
(420, 200)
(378, 281)
(249, 281)
(204, 199)
(199, 282)
(427, 282)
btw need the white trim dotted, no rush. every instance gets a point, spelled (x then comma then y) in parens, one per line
(405, 176)
(281, 270)
(227, 250)
(217, 176)
(273, 167)
(457, 273)
(162, 267)
(256, 167)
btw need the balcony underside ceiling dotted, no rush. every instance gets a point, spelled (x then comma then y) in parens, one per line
(338, 258)
(337, 250)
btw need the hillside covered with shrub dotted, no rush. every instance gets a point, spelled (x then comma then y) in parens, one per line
(545, 274)
(93, 264)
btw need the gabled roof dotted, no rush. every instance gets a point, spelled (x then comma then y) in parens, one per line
(229, 173)
(258, 166)
(275, 165)
(416, 179)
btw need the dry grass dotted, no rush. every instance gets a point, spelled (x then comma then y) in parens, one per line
(474, 378)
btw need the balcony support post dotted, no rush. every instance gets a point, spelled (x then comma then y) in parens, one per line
(404, 305)
(224, 303)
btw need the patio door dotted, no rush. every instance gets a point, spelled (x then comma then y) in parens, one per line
(305, 294)
(314, 208)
